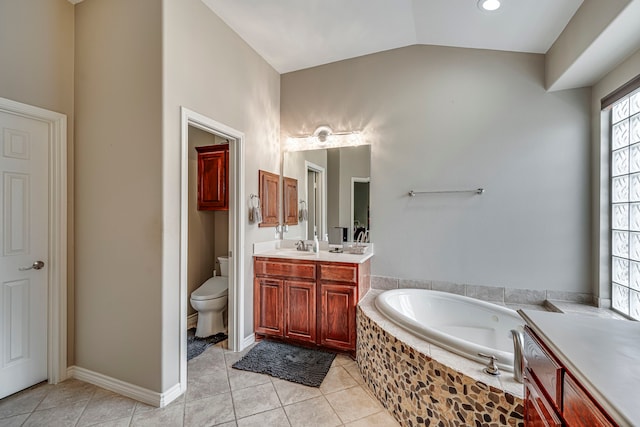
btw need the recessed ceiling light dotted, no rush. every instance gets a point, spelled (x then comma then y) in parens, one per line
(489, 5)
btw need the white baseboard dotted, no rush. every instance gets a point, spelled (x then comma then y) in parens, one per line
(247, 341)
(192, 321)
(129, 390)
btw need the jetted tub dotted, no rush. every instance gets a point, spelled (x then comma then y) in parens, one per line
(462, 325)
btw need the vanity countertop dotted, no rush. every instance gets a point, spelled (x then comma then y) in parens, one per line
(323, 255)
(603, 354)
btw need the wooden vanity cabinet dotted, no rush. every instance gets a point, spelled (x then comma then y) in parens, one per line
(213, 177)
(553, 397)
(309, 301)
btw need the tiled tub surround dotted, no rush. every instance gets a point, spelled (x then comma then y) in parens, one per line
(495, 294)
(420, 383)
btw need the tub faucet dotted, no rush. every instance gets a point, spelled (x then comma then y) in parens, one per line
(492, 367)
(518, 358)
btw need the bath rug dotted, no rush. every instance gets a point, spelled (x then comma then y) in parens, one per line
(195, 345)
(288, 362)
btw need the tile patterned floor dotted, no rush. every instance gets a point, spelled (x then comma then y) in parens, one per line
(217, 395)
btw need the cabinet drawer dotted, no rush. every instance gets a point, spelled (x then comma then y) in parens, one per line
(285, 269)
(579, 409)
(543, 367)
(339, 273)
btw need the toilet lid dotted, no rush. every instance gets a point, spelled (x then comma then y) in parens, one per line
(215, 287)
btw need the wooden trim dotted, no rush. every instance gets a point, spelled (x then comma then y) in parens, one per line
(621, 92)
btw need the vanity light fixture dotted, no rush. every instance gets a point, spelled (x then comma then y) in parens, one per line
(489, 5)
(324, 137)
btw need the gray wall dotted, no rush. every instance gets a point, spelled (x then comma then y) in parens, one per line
(448, 118)
(119, 189)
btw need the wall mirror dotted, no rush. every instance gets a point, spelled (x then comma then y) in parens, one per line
(333, 192)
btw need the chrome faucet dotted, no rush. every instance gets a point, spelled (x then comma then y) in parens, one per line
(518, 358)
(302, 246)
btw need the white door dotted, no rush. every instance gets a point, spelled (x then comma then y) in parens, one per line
(24, 152)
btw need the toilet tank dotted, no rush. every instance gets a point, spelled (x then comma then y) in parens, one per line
(224, 265)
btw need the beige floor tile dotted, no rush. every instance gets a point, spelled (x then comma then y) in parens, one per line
(314, 412)
(209, 411)
(242, 379)
(229, 424)
(352, 368)
(66, 415)
(250, 401)
(273, 418)
(24, 402)
(353, 404)
(165, 417)
(143, 407)
(14, 421)
(67, 392)
(207, 385)
(340, 359)
(337, 379)
(289, 392)
(107, 408)
(379, 419)
(206, 364)
(120, 422)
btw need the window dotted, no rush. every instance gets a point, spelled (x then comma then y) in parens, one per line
(625, 205)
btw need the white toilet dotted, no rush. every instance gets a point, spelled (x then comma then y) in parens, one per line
(210, 300)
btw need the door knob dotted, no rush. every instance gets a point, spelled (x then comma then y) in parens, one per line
(37, 265)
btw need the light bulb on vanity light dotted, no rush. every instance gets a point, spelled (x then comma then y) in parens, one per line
(489, 5)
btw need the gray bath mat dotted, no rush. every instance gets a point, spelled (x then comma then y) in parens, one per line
(288, 362)
(195, 345)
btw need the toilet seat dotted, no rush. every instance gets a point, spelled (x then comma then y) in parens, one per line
(215, 287)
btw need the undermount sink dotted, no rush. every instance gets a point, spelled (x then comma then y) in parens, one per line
(295, 252)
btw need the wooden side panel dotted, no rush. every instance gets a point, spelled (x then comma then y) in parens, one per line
(579, 409)
(339, 272)
(338, 315)
(268, 300)
(300, 310)
(290, 200)
(271, 267)
(268, 189)
(538, 412)
(213, 177)
(364, 279)
(543, 368)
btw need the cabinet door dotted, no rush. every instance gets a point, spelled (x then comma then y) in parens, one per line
(300, 310)
(267, 306)
(538, 412)
(579, 409)
(290, 200)
(213, 178)
(338, 316)
(269, 195)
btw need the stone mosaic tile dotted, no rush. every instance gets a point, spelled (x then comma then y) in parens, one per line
(419, 390)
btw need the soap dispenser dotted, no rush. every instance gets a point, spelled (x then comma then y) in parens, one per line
(316, 244)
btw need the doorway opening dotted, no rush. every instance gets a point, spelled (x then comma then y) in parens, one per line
(360, 219)
(316, 201)
(234, 230)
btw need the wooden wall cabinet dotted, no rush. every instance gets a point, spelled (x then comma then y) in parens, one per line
(309, 301)
(269, 195)
(213, 177)
(290, 200)
(553, 397)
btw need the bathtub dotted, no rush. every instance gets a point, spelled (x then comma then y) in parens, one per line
(460, 324)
